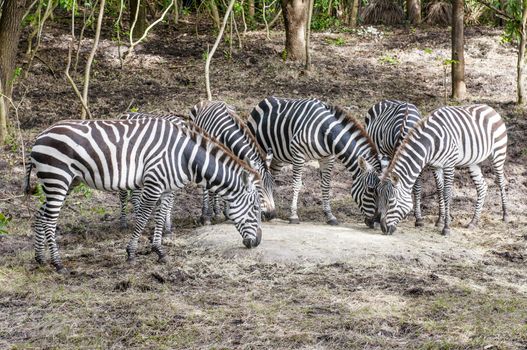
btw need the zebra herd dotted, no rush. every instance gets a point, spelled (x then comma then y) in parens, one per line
(235, 162)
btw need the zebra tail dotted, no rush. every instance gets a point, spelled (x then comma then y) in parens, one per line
(27, 186)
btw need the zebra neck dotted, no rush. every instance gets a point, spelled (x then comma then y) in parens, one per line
(349, 144)
(409, 162)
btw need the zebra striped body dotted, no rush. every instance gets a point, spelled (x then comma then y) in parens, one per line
(178, 120)
(450, 137)
(388, 122)
(220, 122)
(149, 154)
(298, 131)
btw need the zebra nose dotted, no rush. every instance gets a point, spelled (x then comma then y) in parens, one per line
(253, 242)
(270, 215)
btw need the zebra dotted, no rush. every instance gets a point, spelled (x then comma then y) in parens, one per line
(149, 154)
(299, 130)
(177, 119)
(448, 138)
(388, 122)
(221, 122)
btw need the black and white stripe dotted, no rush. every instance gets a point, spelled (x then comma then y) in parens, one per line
(298, 131)
(149, 154)
(178, 120)
(450, 137)
(388, 122)
(221, 122)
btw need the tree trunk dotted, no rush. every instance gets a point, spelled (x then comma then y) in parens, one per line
(521, 54)
(295, 16)
(458, 58)
(138, 9)
(215, 13)
(251, 9)
(354, 13)
(12, 13)
(414, 11)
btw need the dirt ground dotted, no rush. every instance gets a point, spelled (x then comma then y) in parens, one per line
(307, 286)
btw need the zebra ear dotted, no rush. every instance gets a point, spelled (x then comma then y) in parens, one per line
(269, 157)
(247, 178)
(364, 165)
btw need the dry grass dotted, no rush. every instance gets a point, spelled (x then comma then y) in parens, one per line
(439, 13)
(385, 12)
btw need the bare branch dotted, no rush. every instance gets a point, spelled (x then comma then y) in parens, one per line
(218, 39)
(499, 12)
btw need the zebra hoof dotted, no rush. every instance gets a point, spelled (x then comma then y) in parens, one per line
(471, 225)
(61, 269)
(445, 231)
(40, 260)
(131, 260)
(205, 221)
(162, 259)
(332, 222)
(294, 221)
(123, 227)
(419, 223)
(506, 218)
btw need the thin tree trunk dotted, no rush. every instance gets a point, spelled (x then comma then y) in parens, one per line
(414, 11)
(12, 14)
(308, 33)
(90, 58)
(295, 16)
(138, 16)
(251, 9)
(354, 13)
(521, 54)
(215, 13)
(458, 58)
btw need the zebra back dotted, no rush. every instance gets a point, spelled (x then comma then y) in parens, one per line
(388, 123)
(178, 119)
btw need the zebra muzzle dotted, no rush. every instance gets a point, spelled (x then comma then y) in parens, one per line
(253, 242)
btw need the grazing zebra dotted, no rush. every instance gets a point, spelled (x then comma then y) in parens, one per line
(301, 130)
(388, 122)
(177, 119)
(149, 154)
(450, 137)
(220, 121)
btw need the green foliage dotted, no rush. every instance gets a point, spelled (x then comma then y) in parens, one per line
(134, 109)
(284, 55)
(322, 22)
(39, 193)
(205, 55)
(340, 41)
(389, 59)
(84, 190)
(428, 51)
(4, 221)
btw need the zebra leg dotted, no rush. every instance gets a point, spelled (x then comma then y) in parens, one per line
(438, 177)
(147, 203)
(123, 201)
(481, 189)
(205, 209)
(217, 207)
(51, 212)
(417, 199)
(298, 166)
(498, 163)
(136, 200)
(326, 167)
(40, 235)
(169, 198)
(448, 180)
(160, 217)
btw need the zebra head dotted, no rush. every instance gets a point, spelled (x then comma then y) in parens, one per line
(393, 204)
(363, 190)
(244, 209)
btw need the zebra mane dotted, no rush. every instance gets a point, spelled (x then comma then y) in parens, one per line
(250, 137)
(402, 145)
(242, 126)
(201, 137)
(350, 119)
